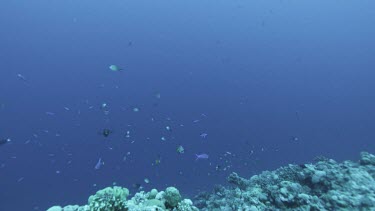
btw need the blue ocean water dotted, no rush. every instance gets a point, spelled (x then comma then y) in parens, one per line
(269, 82)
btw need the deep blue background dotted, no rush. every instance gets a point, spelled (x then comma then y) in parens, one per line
(263, 72)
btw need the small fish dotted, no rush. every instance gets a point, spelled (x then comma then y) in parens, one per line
(4, 141)
(103, 105)
(180, 149)
(115, 68)
(50, 113)
(127, 134)
(201, 156)
(135, 109)
(137, 186)
(106, 132)
(99, 164)
(294, 138)
(21, 77)
(158, 160)
(203, 135)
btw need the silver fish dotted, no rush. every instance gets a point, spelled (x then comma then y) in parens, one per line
(99, 164)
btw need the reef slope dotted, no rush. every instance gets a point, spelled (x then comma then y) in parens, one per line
(324, 185)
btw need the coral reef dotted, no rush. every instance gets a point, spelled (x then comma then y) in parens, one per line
(326, 185)
(115, 199)
(109, 199)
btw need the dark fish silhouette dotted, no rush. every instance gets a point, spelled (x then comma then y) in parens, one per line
(4, 141)
(106, 132)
